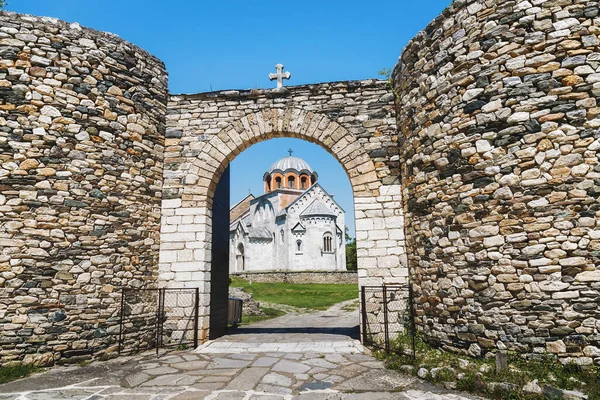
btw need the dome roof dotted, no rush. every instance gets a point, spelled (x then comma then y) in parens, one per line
(291, 163)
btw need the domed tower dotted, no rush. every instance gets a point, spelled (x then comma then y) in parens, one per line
(289, 173)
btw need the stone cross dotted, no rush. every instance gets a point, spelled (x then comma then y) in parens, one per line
(280, 75)
(290, 151)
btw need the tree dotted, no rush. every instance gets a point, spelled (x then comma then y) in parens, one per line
(351, 256)
(3, 3)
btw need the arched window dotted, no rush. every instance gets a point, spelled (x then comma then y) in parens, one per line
(303, 182)
(299, 246)
(278, 182)
(281, 232)
(291, 182)
(327, 243)
(268, 182)
(241, 261)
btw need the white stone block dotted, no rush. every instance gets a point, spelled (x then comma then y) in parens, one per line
(185, 255)
(379, 223)
(168, 228)
(191, 211)
(366, 262)
(190, 228)
(182, 278)
(187, 266)
(178, 237)
(388, 262)
(385, 244)
(166, 276)
(171, 203)
(202, 255)
(394, 222)
(364, 224)
(378, 234)
(397, 234)
(167, 256)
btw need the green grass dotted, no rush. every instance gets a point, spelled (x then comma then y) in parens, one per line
(316, 296)
(8, 374)
(269, 313)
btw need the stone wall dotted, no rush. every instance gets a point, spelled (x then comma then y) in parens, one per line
(342, 277)
(354, 121)
(82, 121)
(499, 143)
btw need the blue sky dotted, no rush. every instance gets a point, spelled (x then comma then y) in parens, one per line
(234, 44)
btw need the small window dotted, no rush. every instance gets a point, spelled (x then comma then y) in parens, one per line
(327, 243)
(291, 182)
(303, 183)
(282, 238)
(278, 182)
(299, 246)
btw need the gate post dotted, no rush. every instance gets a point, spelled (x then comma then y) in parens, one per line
(385, 320)
(363, 301)
(121, 319)
(197, 305)
(159, 321)
(413, 328)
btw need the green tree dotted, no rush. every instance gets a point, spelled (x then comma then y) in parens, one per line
(351, 256)
(3, 3)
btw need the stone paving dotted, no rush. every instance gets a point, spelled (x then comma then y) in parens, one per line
(267, 361)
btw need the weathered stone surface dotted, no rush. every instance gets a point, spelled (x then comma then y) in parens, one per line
(69, 196)
(536, 184)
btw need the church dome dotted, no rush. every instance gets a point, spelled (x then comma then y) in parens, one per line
(289, 173)
(290, 163)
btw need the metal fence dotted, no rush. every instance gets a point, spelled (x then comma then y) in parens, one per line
(388, 319)
(158, 318)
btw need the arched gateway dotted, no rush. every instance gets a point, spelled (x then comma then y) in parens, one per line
(354, 121)
(497, 139)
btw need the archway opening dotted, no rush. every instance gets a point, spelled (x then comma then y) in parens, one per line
(199, 178)
(288, 238)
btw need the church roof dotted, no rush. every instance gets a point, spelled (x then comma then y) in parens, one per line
(290, 163)
(313, 187)
(260, 233)
(317, 208)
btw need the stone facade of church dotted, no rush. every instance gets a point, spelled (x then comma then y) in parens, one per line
(294, 226)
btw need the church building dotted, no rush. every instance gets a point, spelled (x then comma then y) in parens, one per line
(294, 226)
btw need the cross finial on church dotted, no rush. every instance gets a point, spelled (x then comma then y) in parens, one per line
(280, 75)
(290, 151)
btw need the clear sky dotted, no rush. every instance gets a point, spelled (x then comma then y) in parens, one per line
(234, 44)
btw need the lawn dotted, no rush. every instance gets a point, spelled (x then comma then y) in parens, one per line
(316, 296)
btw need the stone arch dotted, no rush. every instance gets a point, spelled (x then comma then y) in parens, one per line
(379, 224)
(216, 153)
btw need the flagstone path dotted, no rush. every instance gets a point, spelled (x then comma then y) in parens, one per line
(300, 356)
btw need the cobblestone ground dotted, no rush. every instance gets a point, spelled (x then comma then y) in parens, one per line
(293, 357)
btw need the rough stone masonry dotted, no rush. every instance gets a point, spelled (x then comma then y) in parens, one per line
(82, 120)
(490, 166)
(499, 139)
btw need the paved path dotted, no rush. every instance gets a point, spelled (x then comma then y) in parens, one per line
(273, 360)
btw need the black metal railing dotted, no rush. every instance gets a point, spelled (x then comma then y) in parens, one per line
(158, 318)
(388, 318)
